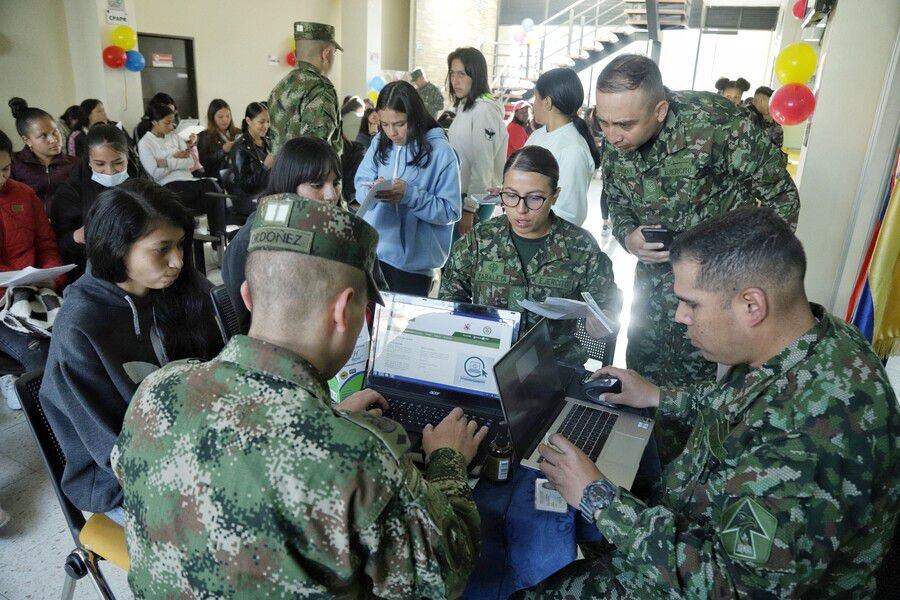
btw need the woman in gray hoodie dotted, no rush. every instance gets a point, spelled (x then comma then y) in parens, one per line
(478, 133)
(140, 305)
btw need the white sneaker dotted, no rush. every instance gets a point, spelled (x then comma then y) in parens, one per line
(8, 391)
(4, 517)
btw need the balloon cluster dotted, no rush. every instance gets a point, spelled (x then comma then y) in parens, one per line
(376, 84)
(793, 103)
(525, 34)
(122, 53)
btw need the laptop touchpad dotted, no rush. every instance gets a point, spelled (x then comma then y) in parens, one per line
(623, 449)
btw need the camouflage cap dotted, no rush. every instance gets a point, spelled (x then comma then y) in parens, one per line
(310, 30)
(416, 73)
(295, 224)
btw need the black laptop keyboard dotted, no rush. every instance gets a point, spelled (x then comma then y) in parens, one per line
(588, 429)
(414, 415)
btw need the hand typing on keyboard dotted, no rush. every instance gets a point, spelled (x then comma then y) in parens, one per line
(454, 431)
(367, 399)
(568, 469)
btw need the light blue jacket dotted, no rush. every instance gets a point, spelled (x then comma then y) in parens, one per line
(414, 236)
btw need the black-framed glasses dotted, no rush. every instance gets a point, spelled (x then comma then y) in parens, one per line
(532, 201)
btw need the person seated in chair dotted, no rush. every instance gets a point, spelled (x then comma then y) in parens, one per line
(214, 144)
(529, 253)
(252, 158)
(789, 486)
(105, 166)
(27, 241)
(140, 304)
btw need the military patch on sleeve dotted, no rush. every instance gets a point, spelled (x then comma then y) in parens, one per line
(747, 531)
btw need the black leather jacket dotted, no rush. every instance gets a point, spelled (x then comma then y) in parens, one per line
(250, 174)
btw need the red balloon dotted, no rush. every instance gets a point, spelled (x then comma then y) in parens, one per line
(800, 9)
(792, 104)
(114, 57)
(291, 59)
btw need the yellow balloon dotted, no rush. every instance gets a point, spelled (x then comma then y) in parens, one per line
(796, 64)
(293, 45)
(373, 96)
(124, 37)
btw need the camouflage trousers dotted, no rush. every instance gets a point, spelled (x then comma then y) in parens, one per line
(660, 350)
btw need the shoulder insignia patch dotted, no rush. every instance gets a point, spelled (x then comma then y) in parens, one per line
(747, 531)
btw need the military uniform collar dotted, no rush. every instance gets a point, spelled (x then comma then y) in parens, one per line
(554, 249)
(302, 65)
(670, 139)
(743, 384)
(258, 355)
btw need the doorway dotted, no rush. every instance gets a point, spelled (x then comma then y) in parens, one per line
(170, 69)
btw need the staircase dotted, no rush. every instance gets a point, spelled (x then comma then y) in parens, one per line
(580, 35)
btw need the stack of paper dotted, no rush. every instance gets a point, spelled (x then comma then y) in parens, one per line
(30, 275)
(564, 308)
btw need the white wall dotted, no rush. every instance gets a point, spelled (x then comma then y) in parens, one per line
(33, 32)
(233, 40)
(856, 52)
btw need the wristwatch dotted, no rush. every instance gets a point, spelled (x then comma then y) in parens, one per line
(597, 496)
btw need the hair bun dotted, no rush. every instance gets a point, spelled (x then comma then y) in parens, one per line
(17, 106)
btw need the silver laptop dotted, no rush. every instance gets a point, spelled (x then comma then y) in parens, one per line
(535, 406)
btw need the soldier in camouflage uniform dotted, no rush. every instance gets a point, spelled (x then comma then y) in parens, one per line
(675, 159)
(305, 102)
(758, 107)
(242, 480)
(431, 94)
(790, 484)
(487, 267)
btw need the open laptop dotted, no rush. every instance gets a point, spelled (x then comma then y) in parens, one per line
(428, 356)
(535, 405)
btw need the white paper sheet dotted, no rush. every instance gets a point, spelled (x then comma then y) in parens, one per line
(369, 202)
(30, 275)
(559, 309)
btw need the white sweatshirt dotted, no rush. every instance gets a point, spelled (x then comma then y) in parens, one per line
(152, 148)
(479, 137)
(576, 167)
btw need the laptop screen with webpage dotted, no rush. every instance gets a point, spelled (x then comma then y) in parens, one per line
(438, 347)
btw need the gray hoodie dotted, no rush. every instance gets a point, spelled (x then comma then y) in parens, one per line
(479, 137)
(104, 344)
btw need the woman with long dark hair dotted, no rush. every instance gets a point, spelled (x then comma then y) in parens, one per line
(90, 113)
(530, 253)
(305, 166)
(41, 164)
(105, 166)
(144, 124)
(415, 217)
(168, 161)
(368, 127)
(558, 94)
(141, 305)
(252, 157)
(215, 142)
(477, 133)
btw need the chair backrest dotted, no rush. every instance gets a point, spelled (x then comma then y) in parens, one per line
(28, 388)
(225, 313)
(599, 349)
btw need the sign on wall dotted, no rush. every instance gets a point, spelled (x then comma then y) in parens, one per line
(159, 59)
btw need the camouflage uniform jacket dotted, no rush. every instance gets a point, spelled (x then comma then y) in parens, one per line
(773, 130)
(708, 159)
(789, 486)
(484, 268)
(242, 481)
(304, 103)
(432, 98)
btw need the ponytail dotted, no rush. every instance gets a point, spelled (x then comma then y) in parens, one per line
(565, 90)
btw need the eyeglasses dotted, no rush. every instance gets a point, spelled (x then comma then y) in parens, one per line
(532, 201)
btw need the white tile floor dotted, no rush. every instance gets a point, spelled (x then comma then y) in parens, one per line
(35, 543)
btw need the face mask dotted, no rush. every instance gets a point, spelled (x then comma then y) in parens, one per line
(109, 180)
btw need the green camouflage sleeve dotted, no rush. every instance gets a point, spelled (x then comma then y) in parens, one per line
(601, 283)
(318, 117)
(682, 403)
(624, 220)
(456, 278)
(425, 541)
(759, 165)
(770, 529)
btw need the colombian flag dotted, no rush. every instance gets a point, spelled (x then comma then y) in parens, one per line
(875, 304)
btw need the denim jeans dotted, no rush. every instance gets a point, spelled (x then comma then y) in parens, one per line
(29, 350)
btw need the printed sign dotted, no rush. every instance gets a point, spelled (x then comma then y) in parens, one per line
(158, 59)
(116, 16)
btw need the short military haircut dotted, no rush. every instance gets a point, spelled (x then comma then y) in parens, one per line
(309, 50)
(764, 90)
(284, 284)
(631, 72)
(747, 247)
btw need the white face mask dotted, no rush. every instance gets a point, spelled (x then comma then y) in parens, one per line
(109, 180)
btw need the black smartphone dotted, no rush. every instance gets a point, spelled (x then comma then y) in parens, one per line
(658, 235)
